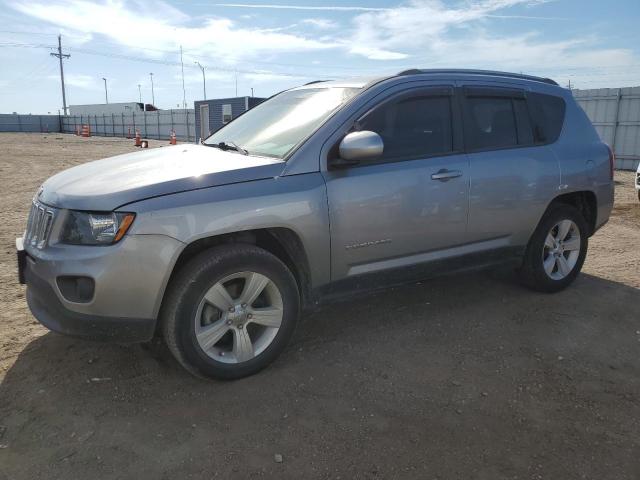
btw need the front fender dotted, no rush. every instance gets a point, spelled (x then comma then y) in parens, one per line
(296, 202)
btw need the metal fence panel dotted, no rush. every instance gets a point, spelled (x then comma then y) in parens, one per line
(29, 123)
(615, 113)
(157, 125)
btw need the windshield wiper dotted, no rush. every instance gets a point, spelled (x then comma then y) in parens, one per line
(225, 146)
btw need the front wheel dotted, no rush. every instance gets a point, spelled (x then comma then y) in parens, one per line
(230, 311)
(556, 250)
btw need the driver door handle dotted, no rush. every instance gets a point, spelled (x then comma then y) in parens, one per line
(443, 175)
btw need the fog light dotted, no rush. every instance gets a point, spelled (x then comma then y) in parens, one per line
(76, 289)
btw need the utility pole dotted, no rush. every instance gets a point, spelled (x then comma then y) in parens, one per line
(251, 92)
(61, 55)
(140, 93)
(204, 81)
(236, 83)
(184, 92)
(106, 96)
(153, 96)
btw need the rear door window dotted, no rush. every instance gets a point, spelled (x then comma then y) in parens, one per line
(490, 122)
(496, 118)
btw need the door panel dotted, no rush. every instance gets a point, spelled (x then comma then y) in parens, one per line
(394, 210)
(511, 179)
(204, 121)
(509, 191)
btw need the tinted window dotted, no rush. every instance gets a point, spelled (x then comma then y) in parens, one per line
(412, 127)
(523, 119)
(490, 123)
(548, 116)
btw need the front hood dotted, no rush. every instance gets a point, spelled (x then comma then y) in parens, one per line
(113, 182)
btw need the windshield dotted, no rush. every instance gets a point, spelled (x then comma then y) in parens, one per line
(276, 126)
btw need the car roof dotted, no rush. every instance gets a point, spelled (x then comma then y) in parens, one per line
(362, 82)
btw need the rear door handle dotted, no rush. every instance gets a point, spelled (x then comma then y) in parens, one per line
(443, 175)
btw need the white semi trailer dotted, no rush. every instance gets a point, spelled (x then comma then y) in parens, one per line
(109, 108)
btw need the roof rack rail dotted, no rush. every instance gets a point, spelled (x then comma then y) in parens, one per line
(316, 81)
(416, 71)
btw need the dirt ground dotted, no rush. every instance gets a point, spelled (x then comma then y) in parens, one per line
(465, 377)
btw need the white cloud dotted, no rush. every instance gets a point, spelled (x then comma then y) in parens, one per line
(423, 33)
(335, 8)
(165, 27)
(320, 23)
(433, 33)
(195, 77)
(86, 82)
(264, 77)
(373, 53)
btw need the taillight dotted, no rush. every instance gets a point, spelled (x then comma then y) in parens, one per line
(612, 161)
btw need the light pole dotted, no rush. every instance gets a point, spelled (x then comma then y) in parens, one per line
(106, 95)
(140, 92)
(204, 81)
(153, 96)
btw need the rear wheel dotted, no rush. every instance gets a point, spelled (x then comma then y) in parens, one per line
(230, 311)
(556, 250)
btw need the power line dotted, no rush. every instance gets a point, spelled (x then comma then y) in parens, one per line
(584, 74)
(27, 33)
(120, 56)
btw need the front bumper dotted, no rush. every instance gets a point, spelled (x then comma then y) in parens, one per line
(50, 312)
(130, 278)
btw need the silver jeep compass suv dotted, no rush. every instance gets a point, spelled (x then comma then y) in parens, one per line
(322, 189)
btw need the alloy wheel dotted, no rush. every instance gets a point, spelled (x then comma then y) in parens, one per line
(561, 249)
(239, 317)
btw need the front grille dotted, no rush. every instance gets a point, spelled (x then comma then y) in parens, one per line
(39, 225)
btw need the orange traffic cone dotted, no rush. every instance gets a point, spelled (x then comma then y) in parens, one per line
(77, 130)
(138, 142)
(172, 138)
(86, 131)
(129, 134)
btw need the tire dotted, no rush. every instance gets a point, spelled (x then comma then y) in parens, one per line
(235, 335)
(543, 268)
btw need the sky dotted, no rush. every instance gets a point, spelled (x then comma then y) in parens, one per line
(269, 47)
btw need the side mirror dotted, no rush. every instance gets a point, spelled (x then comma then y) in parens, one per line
(357, 146)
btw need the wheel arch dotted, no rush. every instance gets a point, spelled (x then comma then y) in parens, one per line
(282, 242)
(584, 200)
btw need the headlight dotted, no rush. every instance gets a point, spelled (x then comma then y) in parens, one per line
(95, 228)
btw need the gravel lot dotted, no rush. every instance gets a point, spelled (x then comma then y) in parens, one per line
(465, 377)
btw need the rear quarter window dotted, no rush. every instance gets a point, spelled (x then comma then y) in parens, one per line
(547, 112)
